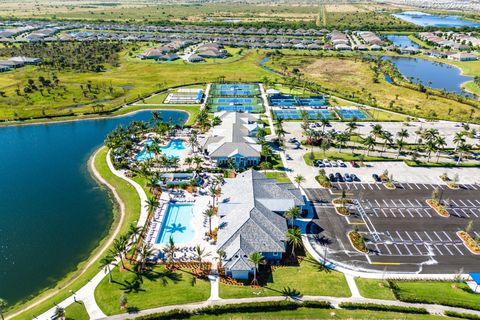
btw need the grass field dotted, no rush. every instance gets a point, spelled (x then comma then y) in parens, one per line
(76, 311)
(307, 313)
(278, 175)
(351, 76)
(133, 79)
(304, 278)
(160, 288)
(345, 156)
(132, 208)
(375, 289)
(439, 293)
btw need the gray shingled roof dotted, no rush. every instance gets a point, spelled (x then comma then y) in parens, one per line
(248, 218)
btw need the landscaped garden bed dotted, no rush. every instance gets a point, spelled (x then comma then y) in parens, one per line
(340, 205)
(469, 242)
(357, 241)
(437, 206)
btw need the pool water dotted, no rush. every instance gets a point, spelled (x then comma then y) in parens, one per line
(177, 223)
(174, 149)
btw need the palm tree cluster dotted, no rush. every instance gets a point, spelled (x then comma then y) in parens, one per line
(92, 56)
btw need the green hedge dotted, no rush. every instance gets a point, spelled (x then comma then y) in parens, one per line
(462, 315)
(269, 306)
(381, 307)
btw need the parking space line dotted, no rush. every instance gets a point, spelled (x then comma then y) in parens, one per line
(463, 203)
(388, 249)
(409, 186)
(429, 238)
(410, 213)
(401, 212)
(393, 213)
(379, 188)
(439, 251)
(396, 247)
(436, 234)
(427, 213)
(386, 204)
(419, 203)
(464, 211)
(418, 212)
(408, 235)
(411, 204)
(453, 201)
(370, 186)
(470, 202)
(455, 213)
(399, 235)
(384, 213)
(474, 187)
(477, 202)
(446, 247)
(393, 202)
(446, 235)
(425, 186)
(378, 204)
(419, 251)
(418, 236)
(416, 185)
(375, 212)
(409, 252)
(363, 186)
(473, 212)
(459, 250)
(401, 202)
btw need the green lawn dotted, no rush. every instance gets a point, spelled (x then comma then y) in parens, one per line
(374, 288)
(160, 288)
(156, 99)
(76, 311)
(191, 110)
(345, 156)
(305, 278)
(439, 293)
(279, 176)
(380, 115)
(411, 163)
(309, 313)
(132, 208)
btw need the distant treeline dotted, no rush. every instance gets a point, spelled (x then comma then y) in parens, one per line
(79, 56)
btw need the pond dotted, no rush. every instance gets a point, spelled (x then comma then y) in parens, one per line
(425, 19)
(431, 74)
(402, 41)
(52, 212)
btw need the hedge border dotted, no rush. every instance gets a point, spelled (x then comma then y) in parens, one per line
(381, 307)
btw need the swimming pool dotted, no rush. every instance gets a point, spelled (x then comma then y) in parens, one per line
(174, 149)
(177, 224)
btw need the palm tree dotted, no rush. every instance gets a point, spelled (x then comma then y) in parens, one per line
(342, 138)
(369, 142)
(151, 203)
(264, 165)
(59, 313)
(256, 258)
(399, 143)
(325, 122)
(209, 213)
(430, 146)
(299, 179)
(441, 143)
(134, 231)
(294, 238)
(403, 134)
(292, 214)
(458, 139)
(145, 252)
(376, 131)
(170, 250)
(118, 249)
(197, 161)
(352, 126)
(188, 161)
(214, 191)
(105, 263)
(464, 148)
(387, 139)
(200, 253)
(3, 306)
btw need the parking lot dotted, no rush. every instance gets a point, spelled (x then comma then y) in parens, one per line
(401, 231)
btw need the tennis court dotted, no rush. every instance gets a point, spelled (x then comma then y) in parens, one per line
(234, 86)
(349, 114)
(236, 108)
(232, 100)
(296, 115)
(281, 100)
(234, 89)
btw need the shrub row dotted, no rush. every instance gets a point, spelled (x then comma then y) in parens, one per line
(381, 307)
(462, 315)
(397, 293)
(269, 306)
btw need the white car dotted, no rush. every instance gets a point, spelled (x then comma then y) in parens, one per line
(327, 163)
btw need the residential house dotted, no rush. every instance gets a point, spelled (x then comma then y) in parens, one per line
(251, 211)
(462, 56)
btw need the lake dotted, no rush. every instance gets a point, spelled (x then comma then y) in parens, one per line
(402, 41)
(425, 20)
(52, 212)
(431, 74)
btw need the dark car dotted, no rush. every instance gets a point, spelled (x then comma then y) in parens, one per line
(376, 177)
(331, 177)
(354, 177)
(354, 164)
(339, 177)
(348, 177)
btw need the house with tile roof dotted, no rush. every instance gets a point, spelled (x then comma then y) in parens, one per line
(251, 212)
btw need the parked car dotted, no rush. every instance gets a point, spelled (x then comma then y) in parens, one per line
(348, 178)
(341, 163)
(292, 140)
(354, 164)
(376, 177)
(355, 177)
(339, 177)
(331, 177)
(327, 163)
(319, 163)
(334, 163)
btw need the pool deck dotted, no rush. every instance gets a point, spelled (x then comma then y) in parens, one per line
(198, 223)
